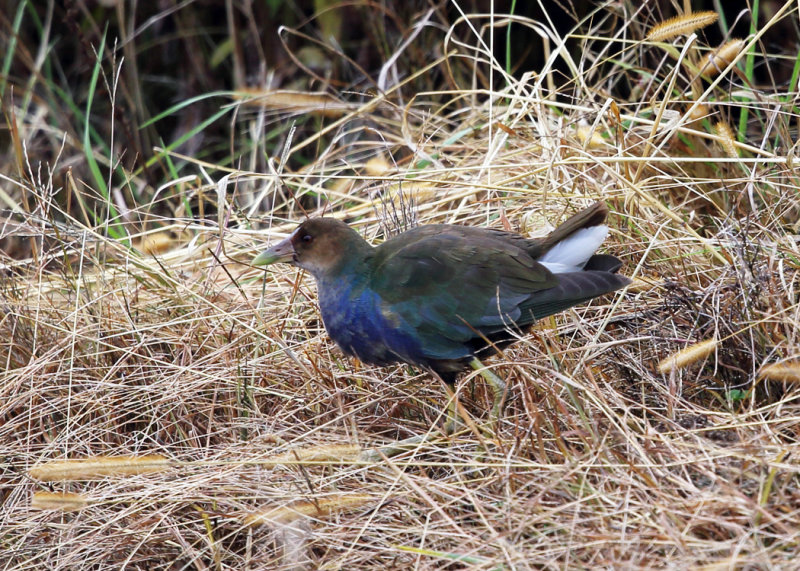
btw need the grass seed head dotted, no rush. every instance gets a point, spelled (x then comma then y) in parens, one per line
(681, 26)
(687, 356)
(61, 501)
(99, 467)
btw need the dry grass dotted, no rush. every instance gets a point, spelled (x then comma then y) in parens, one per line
(148, 334)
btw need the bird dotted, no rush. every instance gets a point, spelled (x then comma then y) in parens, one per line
(441, 297)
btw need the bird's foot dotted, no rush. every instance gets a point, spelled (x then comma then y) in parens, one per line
(498, 387)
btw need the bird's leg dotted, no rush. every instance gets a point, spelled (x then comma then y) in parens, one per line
(496, 383)
(453, 423)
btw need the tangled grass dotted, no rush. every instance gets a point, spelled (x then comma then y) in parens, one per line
(210, 422)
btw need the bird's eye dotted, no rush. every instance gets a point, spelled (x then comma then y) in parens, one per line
(308, 238)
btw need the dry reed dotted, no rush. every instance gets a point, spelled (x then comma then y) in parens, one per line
(113, 345)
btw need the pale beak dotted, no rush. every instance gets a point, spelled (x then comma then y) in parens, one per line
(283, 251)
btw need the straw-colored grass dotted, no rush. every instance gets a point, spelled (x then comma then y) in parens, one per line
(193, 413)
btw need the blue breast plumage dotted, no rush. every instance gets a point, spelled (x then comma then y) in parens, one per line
(363, 326)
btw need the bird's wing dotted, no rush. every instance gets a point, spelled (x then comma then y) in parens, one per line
(448, 286)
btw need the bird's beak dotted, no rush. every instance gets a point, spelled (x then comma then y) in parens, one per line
(283, 251)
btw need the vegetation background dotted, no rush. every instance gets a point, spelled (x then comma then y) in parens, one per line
(149, 150)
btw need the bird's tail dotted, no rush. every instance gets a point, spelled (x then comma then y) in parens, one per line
(594, 215)
(572, 289)
(573, 252)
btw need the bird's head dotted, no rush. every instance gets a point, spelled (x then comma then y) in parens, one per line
(320, 245)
